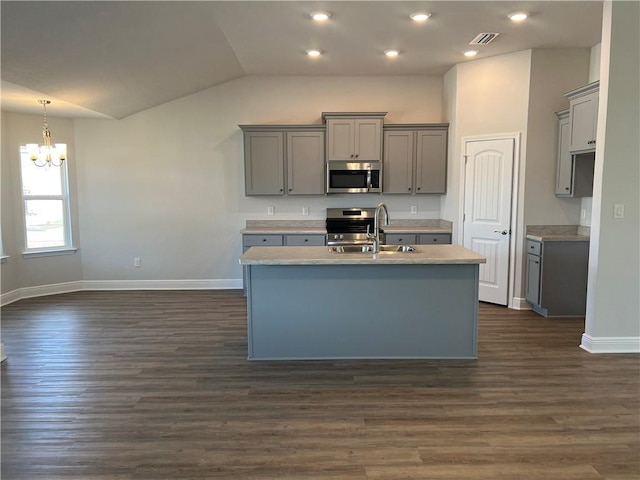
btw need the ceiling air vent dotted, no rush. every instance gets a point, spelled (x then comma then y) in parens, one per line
(483, 38)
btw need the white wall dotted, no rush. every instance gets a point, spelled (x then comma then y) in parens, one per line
(19, 272)
(491, 97)
(167, 184)
(613, 310)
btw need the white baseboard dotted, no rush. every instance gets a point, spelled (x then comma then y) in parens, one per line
(224, 284)
(610, 344)
(57, 288)
(518, 303)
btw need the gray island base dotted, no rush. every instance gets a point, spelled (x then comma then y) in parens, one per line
(305, 303)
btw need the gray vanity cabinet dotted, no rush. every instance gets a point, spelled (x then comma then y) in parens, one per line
(583, 112)
(354, 136)
(415, 158)
(284, 159)
(556, 277)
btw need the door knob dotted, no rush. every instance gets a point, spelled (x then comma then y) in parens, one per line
(502, 232)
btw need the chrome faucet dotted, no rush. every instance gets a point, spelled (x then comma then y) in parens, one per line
(376, 226)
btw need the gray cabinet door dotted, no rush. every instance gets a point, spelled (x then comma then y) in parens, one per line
(584, 118)
(399, 154)
(564, 166)
(296, 240)
(400, 238)
(305, 163)
(368, 139)
(431, 161)
(534, 266)
(354, 139)
(434, 239)
(340, 139)
(264, 163)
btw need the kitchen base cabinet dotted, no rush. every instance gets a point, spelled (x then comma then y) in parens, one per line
(556, 277)
(418, 238)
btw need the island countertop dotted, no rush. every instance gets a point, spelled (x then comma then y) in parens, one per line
(425, 255)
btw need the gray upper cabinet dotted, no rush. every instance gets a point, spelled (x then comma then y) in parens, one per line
(415, 158)
(583, 112)
(564, 165)
(354, 136)
(264, 163)
(305, 163)
(284, 159)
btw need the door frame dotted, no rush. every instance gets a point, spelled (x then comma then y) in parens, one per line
(515, 182)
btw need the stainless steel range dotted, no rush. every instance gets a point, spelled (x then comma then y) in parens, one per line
(348, 226)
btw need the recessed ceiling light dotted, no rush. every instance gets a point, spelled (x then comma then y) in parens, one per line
(420, 16)
(518, 16)
(320, 16)
(314, 52)
(470, 53)
(391, 53)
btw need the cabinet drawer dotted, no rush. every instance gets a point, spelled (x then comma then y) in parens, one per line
(429, 238)
(400, 238)
(264, 240)
(534, 248)
(304, 240)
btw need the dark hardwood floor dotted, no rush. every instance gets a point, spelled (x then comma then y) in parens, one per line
(156, 385)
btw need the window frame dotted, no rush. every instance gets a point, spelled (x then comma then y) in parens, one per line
(68, 247)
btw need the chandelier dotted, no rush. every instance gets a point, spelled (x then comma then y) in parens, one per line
(47, 155)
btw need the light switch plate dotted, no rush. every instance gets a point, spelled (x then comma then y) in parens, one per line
(618, 210)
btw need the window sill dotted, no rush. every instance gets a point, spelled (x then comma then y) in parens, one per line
(49, 253)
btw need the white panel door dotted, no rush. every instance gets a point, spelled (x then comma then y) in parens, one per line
(487, 212)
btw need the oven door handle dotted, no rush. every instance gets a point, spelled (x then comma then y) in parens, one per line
(369, 178)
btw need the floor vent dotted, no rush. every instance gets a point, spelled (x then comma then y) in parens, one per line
(483, 38)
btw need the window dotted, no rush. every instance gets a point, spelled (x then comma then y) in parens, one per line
(45, 198)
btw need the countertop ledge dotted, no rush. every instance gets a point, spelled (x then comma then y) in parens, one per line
(558, 233)
(426, 255)
(311, 227)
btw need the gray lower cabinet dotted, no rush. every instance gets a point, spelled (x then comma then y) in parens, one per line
(417, 238)
(556, 277)
(305, 240)
(283, 159)
(276, 240)
(415, 158)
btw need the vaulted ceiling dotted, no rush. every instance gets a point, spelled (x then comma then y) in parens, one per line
(113, 59)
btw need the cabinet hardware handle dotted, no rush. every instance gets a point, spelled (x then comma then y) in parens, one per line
(281, 190)
(357, 155)
(291, 189)
(418, 188)
(264, 239)
(409, 188)
(306, 239)
(435, 240)
(566, 188)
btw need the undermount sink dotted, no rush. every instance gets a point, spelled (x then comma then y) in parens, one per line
(369, 249)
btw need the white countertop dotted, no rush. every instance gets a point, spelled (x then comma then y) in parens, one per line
(426, 255)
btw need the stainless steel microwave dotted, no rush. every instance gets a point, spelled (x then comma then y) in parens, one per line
(354, 177)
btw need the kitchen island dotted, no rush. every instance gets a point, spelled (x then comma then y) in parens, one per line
(308, 303)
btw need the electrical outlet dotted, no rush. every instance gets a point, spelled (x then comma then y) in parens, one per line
(271, 210)
(414, 209)
(305, 210)
(583, 214)
(618, 210)
(136, 262)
